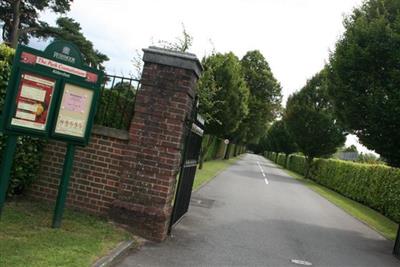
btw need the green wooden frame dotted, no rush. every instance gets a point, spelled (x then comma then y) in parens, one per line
(61, 79)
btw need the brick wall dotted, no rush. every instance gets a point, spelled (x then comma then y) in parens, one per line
(131, 176)
(157, 137)
(96, 174)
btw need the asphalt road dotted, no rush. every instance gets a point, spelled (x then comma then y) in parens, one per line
(241, 219)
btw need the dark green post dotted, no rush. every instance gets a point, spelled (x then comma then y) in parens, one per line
(63, 188)
(5, 168)
(396, 250)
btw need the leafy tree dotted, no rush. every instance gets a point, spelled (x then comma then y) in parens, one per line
(223, 96)
(70, 30)
(281, 138)
(364, 77)
(265, 96)
(310, 120)
(226, 91)
(263, 145)
(208, 106)
(21, 18)
(206, 91)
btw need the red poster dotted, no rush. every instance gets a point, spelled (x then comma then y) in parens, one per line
(33, 101)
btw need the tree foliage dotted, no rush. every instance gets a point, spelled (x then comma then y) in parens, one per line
(280, 139)
(365, 77)
(181, 44)
(207, 89)
(115, 107)
(265, 96)
(69, 30)
(21, 18)
(223, 94)
(311, 122)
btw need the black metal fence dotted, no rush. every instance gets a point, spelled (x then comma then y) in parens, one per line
(117, 102)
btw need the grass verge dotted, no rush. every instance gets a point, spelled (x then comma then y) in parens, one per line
(26, 238)
(210, 170)
(372, 218)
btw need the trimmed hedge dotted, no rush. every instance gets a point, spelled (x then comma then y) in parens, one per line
(221, 148)
(376, 186)
(212, 149)
(215, 148)
(230, 150)
(296, 163)
(29, 150)
(281, 160)
(235, 150)
(272, 156)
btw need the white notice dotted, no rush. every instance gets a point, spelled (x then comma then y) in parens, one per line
(33, 93)
(27, 106)
(25, 115)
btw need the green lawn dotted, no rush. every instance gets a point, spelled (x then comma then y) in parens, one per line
(210, 170)
(372, 218)
(27, 240)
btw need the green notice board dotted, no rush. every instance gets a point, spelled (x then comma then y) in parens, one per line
(51, 94)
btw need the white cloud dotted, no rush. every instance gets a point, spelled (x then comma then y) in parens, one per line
(294, 35)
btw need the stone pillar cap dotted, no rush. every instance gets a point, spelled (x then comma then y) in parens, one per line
(173, 58)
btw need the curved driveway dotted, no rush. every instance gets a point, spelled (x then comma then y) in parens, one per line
(241, 219)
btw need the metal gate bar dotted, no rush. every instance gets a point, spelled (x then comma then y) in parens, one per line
(187, 173)
(396, 250)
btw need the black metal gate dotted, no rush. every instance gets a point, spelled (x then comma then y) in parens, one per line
(396, 250)
(189, 163)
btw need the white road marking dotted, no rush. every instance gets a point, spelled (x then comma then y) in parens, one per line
(262, 172)
(300, 262)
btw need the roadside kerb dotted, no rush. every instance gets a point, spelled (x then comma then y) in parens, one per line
(117, 253)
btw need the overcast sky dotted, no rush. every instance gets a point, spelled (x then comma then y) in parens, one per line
(295, 36)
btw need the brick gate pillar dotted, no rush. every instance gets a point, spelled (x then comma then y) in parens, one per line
(153, 155)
